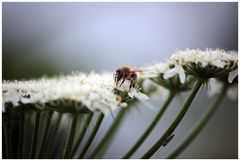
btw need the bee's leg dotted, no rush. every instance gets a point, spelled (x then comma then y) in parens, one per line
(133, 85)
(114, 78)
(122, 82)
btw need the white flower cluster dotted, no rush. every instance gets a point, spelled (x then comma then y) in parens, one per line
(95, 91)
(178, 61)
(219, 59)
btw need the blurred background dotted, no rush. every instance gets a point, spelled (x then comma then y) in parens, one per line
(52, 38)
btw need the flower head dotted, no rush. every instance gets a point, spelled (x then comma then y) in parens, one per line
(79, 90)
(168, 76)
(205, 64)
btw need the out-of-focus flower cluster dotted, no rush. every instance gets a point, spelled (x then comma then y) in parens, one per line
(216, 86)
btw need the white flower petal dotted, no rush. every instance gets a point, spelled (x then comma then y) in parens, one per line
(181, 74)
(232, 75)
(141, 96)
(170, 73)
(178, 69)
(232, 92)
(138, 95)
(215, 87)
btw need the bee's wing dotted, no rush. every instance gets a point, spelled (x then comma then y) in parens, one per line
(139, 69)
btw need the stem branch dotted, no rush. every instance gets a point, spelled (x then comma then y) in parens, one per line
(104, 144)
(70, 139)
(151, 126)
(168, 133)
(92, 136)
(198, 126)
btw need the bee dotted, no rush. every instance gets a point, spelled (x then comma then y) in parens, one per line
(126, 73)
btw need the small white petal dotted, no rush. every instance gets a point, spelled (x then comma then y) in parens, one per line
(232, 93)
(215, 87)
(141, 96)
(181, 74)
(124, 104)
(178, 69)
(232, 75)
(170, 73)
(138, 95)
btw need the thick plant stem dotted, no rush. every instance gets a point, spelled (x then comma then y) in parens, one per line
(151, 126)
(199, 125)
(92, 136)
(105, 142)
(70, 139)
(82, 133)
(168, 133)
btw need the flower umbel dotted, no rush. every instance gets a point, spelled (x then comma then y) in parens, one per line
(206, 63)
(93, 91)
(171, 78)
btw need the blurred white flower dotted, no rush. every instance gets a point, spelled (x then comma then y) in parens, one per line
(217, 85)
(158, 91)
(232, 92)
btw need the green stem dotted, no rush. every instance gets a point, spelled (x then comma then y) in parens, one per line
(20, 135)
(104, 144)
(44, 125)
(82, 133)
(199, 125)
(35, 133)
(10, 137)
(92, 136)
(5, 139)
(168, 133)
(151, 126)
(69, 141)
(25, 136)
(52, 133)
